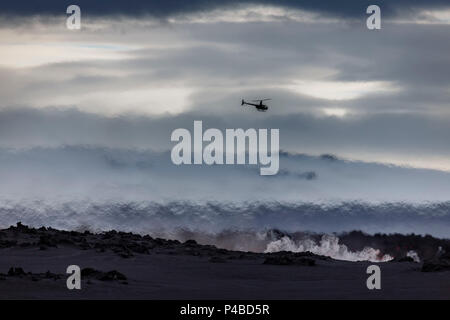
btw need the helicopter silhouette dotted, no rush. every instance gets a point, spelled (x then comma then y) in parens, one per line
(259, 106)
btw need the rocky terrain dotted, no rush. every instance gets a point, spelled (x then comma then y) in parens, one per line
(123, 265)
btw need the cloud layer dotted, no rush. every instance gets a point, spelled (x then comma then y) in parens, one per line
(349, 8)
(125, 83)
(414, 139)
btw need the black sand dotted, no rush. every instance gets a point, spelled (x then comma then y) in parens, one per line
(127, 266)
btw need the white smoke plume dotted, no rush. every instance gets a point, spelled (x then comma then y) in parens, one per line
(328, 246)
(412, 254)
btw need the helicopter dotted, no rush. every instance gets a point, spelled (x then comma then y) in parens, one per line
(259, 106)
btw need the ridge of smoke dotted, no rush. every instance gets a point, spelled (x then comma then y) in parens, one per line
(214, 217)
(328, 246)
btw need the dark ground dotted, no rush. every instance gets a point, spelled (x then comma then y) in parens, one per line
(148, 268)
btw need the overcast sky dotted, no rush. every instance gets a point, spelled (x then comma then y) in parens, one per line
(139, 69)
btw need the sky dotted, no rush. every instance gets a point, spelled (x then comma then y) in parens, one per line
(137, 70)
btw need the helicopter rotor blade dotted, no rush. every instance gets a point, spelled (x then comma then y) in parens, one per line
(261, 100)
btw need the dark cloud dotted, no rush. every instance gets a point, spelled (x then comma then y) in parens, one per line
(409, 136)
(162, 9)
(308, 175)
